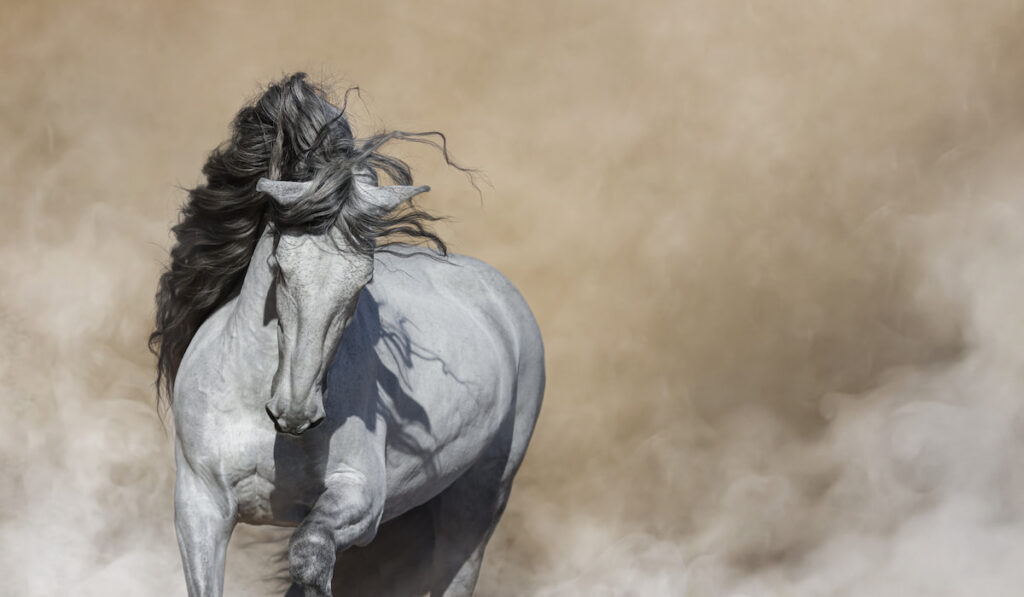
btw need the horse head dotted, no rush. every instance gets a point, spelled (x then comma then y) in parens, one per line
(318, 277)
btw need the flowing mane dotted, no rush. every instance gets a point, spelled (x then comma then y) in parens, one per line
(290, 132)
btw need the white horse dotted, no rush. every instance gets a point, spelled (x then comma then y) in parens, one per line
(338, 390)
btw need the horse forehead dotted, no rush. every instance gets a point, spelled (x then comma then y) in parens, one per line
(302, 248)
(308, 254)
(305, 244)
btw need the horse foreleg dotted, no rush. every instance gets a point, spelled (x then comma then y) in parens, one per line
(204, 523)
(347, 513)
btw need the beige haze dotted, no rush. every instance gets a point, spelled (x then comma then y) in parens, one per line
(775, 249)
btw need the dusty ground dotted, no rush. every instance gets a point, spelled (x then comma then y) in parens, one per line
(775, 250)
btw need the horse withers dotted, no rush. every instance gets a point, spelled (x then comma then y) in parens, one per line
(324, 378)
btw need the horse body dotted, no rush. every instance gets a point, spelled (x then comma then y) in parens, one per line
(431, 396)
(324, 382)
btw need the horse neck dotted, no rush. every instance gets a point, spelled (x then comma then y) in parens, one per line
(251, 335)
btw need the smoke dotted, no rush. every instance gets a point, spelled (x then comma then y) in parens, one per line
(774, 251)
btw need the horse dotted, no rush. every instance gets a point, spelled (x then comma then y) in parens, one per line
(325, 376)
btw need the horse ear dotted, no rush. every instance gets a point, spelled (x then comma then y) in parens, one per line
(383, 199)
(282, 191)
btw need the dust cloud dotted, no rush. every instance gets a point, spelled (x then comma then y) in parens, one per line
(774, 248)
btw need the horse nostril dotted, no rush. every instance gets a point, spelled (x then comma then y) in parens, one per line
(271, 414)
(283, 426)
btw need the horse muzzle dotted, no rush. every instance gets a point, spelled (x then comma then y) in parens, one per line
(295, 423)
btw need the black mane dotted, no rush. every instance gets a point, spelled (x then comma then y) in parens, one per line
(290, 132)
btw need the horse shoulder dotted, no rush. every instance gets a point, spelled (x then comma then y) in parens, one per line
(202, 393)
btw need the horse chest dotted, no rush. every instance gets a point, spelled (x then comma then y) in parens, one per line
(253, 494)
(268, 476)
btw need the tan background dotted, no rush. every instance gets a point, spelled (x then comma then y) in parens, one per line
(774, 247)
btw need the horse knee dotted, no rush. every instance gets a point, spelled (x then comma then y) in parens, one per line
(347, 513)
(353, 510)
(311, 558)
(366, 514)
